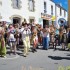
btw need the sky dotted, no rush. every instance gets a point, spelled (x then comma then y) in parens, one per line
(63, 3)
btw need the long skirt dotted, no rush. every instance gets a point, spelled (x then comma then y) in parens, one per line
(40, 39)
(2, 49)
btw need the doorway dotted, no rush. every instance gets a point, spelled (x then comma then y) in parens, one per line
(45, 22)
(16, 20)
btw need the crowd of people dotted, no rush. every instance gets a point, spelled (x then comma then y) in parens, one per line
(32, 35)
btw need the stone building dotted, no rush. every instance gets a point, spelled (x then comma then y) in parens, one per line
(40, 11)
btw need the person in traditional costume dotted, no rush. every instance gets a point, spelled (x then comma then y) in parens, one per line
(34, 39)
(68, 38)
(25, 32)
(61, 39)
(39, 34)
(2, 43)
(46, 37)
(11, 38)
(17, 34)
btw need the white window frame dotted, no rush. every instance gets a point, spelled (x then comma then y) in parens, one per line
(45, 7)
(16, 4)
(51, 9)
(31, 5)
(1, 3)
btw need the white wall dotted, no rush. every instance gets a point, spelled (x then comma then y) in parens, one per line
(58, 16)
(58, 13)
(49, 7)
(7, 11)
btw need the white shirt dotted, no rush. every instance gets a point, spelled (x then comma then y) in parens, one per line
(46, 34)
(11, 37)
(25, 33)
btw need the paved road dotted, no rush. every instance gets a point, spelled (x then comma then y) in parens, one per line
(40, 60)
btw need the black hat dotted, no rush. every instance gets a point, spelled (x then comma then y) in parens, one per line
(23, 23)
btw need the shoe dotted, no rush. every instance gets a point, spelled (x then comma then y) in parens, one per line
(24, 55)
(54, 48)
(29, 50)
(27, 53)
(46, 48)
(35, 50)
(14, 53)
(43, 48)
(4, 56)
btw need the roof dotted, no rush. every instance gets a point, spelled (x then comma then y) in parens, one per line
(59, 5)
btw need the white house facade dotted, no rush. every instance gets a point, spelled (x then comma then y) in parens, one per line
(41, 11)
(48, 12)
(61, 15)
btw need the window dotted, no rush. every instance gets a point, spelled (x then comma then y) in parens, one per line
(16, 4)
(60, 11)
(44, 7)
(31, 19)
(31, 5)
(0, 3)
(64, 13)
(51, 10)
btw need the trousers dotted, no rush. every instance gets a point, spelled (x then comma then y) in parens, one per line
(26, 43)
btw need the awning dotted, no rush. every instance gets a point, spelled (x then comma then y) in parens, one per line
(45, 16)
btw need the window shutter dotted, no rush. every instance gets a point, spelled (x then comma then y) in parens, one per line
(0, 3)
(16, 4)
(19, 4)
(31, 5)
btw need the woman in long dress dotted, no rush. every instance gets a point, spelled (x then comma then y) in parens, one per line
(2, 43)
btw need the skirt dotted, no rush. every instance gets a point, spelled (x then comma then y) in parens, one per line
(2, 49)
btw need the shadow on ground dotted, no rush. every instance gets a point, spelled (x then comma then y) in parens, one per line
(67, 54)
(59, 58)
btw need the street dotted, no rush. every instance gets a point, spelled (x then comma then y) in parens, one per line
(40, 60)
